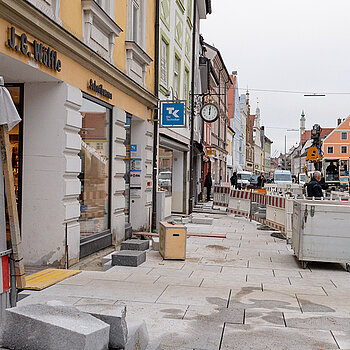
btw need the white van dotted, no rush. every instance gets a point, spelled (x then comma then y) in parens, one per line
(282, 177)
(243, 178)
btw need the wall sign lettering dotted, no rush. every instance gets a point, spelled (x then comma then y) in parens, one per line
(99, 89)
(40, 53)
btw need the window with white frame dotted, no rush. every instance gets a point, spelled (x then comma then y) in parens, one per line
(186, 82)
(99, 27)
(344, 135)
(344, 149)
(135, 20)
(164, 64)
(176, 82)
(330, 149)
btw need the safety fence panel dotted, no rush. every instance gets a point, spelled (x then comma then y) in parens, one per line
(276, 213)
(221, 196)
(239, 203)
(258, 208)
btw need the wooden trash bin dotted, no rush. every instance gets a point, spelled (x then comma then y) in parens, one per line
(172, 241)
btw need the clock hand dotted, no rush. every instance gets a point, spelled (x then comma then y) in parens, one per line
(209, 109)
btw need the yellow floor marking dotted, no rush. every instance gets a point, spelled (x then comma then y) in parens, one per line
(48, 277)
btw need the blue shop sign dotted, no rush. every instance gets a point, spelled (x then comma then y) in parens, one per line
(173, 114)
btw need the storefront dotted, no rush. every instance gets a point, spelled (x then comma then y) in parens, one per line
(69, 152)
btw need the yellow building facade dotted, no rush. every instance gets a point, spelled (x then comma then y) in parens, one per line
(81, 74)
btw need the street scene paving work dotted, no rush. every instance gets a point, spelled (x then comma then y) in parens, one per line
(245, 291)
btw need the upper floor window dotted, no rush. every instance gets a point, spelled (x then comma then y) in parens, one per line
(99, 27)
(344, 149)
(177, 76)
(164, 64)
(137, 22)
(50, 8)
(330, 149)
(344, 135)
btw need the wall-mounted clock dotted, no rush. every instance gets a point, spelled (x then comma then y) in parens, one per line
(209, 112)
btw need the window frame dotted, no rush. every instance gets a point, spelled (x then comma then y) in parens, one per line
(164, 87)
(344, 134)
(346, 149)
(328, 149)
(177, 74)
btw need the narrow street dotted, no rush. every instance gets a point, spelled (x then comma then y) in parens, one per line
(243, 292)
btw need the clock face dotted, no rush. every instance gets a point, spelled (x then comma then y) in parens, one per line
(209, 112)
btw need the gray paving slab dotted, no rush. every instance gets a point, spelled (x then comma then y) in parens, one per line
(343, 339)
(246, 337)
(180, 281)
(110, 290)
(213, 313)
(323, 321)
(249, 298)
(190, 334)
(264, 318)
(328, 304)
(292, 290)
(185, 295)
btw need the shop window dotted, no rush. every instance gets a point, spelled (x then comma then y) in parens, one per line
(344, 149)
(165, 174)
(344, 135)
(330, 149)
(127, 144)
(95, 174)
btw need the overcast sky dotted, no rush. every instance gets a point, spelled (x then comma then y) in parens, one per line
(297, 45)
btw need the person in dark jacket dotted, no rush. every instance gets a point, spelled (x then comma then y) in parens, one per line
(261, 181)
(208, 183)
(314, 188)
(233, 180)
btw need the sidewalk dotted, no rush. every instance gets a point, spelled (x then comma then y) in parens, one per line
(243, 292)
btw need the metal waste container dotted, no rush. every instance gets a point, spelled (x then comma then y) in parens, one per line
(320, 231)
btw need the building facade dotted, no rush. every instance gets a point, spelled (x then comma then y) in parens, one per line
(81, 74)
(219, 84)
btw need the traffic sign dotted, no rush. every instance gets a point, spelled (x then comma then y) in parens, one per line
(173, 114)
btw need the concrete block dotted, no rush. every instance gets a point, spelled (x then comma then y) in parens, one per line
(135, 244)
(106, 266)
(107, 258)
(155, 243)
(202, 220)
(128, 258)
(44, 327)
(112, 315)
(138, 337)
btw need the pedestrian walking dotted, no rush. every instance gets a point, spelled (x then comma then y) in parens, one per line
(208, 184)
(233, 179)
(314, 188)
(261, 181)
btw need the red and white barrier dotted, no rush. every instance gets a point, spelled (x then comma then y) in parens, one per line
(5, 274)
(239, 202)
(221, 196)
(276, 213)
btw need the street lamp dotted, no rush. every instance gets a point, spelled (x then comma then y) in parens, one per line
(285, 147)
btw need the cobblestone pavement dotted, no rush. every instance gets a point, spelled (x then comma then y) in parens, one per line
(243, 292)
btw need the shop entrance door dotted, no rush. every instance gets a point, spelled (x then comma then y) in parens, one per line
(16, 142)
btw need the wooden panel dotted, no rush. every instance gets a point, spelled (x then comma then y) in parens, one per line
(172, 241)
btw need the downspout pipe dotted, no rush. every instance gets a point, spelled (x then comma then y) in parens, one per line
(194, 34)
(155, 120)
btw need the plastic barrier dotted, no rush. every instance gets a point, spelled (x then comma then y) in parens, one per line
(221, 196)
(239, 203)
(258, 207)
(276, 213)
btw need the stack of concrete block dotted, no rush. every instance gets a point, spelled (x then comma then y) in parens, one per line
(132, 253)
(84, 327)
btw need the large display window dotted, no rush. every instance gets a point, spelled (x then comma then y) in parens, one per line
(165, 175)
(95, 167)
